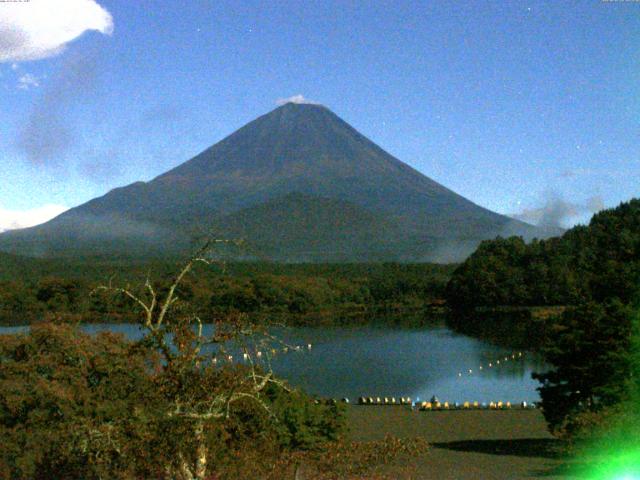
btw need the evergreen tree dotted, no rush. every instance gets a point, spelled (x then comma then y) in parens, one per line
(591, 363)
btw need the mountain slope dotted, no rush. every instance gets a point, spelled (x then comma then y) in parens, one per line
(313, 229)
(295, 149)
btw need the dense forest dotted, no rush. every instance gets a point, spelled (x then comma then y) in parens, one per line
(588, 263)
(32, 290)
(588, 283)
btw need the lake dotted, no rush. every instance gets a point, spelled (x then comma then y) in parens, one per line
(378, 362)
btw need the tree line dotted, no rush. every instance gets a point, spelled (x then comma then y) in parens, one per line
(592, 262)
(593, 273)
(296, 294)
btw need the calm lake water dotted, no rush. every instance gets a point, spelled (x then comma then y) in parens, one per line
(373, 361)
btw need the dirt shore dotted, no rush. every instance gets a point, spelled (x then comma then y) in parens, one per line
(474, 445)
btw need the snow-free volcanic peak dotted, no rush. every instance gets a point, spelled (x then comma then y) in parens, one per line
(299, 183)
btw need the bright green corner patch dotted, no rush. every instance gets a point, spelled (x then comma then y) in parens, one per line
(620, 466)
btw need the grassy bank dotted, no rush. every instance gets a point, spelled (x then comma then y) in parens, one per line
(467, 445)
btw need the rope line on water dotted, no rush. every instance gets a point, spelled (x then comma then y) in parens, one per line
(493, 364)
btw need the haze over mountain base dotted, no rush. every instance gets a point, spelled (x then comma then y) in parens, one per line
(299, 184)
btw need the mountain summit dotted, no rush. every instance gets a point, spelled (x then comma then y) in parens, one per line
(299, 183)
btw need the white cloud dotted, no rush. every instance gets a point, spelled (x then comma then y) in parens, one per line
(12, 219)
(42, 28)
(26, 81)
(296, 99)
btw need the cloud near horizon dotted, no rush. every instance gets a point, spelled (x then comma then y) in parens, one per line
(299, 99)
(42, 28)
(557, 212)
(13, 219)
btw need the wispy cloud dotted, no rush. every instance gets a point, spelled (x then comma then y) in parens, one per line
(47, 133)
(41, 28)
(28, 81)
(578, 172)
(611, 174)
(110, 160)
(12, 219)
(300, 99)
(557, 212)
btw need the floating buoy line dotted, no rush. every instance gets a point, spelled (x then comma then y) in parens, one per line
(269, 353)
(441, 406)
(264, 352)
(436, 405)
(491, 365)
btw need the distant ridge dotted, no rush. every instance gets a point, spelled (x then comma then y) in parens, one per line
(299, 183)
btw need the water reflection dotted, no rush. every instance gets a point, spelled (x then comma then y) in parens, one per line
(373, 361)
(416, 363)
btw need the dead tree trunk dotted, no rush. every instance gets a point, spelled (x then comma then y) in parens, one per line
(201, 452)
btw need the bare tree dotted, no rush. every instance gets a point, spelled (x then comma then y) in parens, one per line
(197, 395)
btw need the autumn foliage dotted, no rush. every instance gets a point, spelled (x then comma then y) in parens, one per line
(172, 405)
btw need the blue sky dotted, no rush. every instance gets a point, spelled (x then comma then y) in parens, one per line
(522, 107)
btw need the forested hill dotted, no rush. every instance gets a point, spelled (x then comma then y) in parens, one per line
(597, 262)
